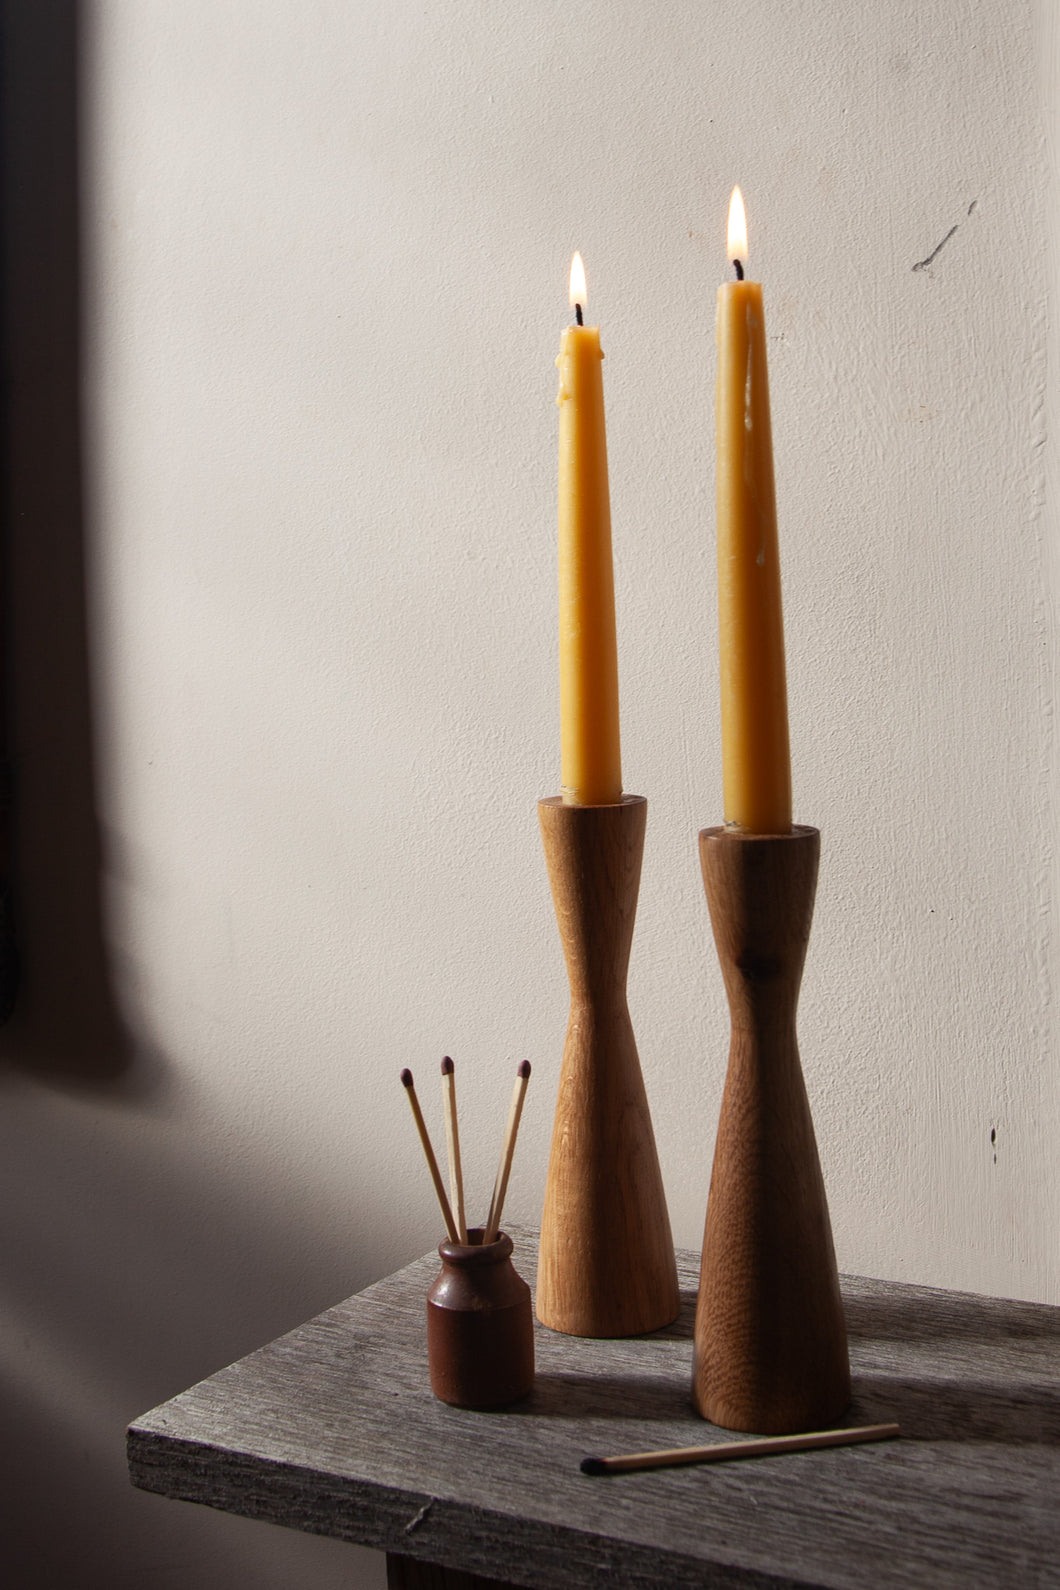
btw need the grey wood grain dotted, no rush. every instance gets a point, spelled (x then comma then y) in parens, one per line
(333, 1429)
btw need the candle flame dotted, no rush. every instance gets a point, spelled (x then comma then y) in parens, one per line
(737, 228)
(577, 281)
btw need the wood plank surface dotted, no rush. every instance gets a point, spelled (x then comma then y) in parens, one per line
(333, 1429)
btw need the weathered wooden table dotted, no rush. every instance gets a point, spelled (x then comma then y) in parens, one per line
(333, 1429)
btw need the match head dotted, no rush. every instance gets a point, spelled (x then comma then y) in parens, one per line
(524, 1068)
(593, 1466)
(447, 1067)
(406, 1078)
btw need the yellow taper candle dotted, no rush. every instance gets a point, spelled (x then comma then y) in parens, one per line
(756, 759)
(591, 763)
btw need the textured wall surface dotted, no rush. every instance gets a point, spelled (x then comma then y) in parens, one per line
(324, 254)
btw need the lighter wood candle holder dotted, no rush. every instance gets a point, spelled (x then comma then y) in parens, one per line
(770, 1340)
(606, 1265)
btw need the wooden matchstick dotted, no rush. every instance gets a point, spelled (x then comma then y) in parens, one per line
(432, 1163)
(452, 1139)
(726, 1450)
(504, 1169)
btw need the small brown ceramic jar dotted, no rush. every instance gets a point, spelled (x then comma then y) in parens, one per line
(480, 1326)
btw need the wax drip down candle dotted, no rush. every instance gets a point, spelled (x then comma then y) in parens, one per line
(591, 764)
(756, 759)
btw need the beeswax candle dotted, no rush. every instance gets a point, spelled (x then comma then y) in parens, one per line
(591, 764)
(756, 759)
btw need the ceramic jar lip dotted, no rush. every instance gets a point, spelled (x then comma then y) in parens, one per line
(472, 1255)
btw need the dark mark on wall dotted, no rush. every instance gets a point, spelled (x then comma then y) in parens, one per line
(923, 264)
(971, 207)
(993, 1139)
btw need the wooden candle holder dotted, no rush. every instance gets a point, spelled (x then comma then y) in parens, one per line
(606, 1265)
(770, 1339)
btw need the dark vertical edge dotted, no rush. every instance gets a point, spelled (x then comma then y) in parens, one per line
(8, 945)
(67, 1023)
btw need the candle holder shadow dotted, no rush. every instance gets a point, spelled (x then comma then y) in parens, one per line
(606, 1265)
(770, 1350)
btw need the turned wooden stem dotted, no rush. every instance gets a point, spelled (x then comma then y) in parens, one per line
(606, 1265)
(770, 1339)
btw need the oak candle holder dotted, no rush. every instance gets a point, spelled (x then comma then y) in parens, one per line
(606, 1265)
(770, 1351)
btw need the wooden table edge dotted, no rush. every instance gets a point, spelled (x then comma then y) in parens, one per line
(417, 1527)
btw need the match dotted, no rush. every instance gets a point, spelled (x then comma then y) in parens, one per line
(452, 1139)
(504, 1169)
(432, 1163)
(724, 1451)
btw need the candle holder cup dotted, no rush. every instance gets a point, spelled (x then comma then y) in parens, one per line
(770, 1351)
(606, 1265)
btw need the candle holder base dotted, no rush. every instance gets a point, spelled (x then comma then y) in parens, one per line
(606, 1265)
(770, 1350)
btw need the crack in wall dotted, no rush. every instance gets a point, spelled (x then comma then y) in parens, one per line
(922, 265)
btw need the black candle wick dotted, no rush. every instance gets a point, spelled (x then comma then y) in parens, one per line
(578, 314)
(738, 269)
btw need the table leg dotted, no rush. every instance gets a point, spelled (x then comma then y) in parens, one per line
(407, 1573)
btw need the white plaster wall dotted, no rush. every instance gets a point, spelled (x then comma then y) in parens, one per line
(326, 251)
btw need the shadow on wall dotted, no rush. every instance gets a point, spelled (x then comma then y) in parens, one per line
(65, 1023)
(136, 1258)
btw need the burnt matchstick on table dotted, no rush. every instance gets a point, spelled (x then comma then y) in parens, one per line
(452, 1140)
(432, 1163)
(504, 1169)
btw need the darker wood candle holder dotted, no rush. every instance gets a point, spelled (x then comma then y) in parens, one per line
(770, 1339)
(606, 1265)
